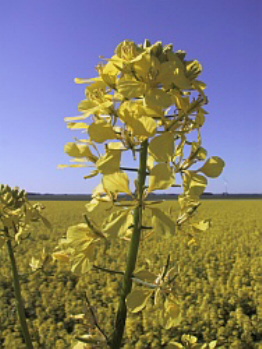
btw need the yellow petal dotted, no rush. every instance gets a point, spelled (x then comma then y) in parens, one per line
(131, 89)
(117, 182)
(80, 263)
(144, 64)
(73, 165)
(161, 177)
(146, 275)
(194, 184)
(92, 174)
(110, 162)
(61, 256)
(162, 147)
(77, 125)
(181, 80)
(86, 106)
(144, 127)
(158, 97)
(172, 316)
(136, 300)
(79, 232)
(213, 167)
(100, 131)
(79, 151)
(201, 226)
(162, 223)
(113, 226)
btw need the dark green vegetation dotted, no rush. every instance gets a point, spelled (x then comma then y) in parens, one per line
(219, 281)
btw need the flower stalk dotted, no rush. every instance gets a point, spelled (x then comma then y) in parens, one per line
(18, 296)
(121, 315)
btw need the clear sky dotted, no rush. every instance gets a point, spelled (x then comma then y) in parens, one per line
(44, 45)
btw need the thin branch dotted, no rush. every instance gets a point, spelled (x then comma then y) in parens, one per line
(94, 228)
(110, 271)
(86, 340)
(138, 281)
(132, 169)
(18, 295)
(95, 319)
(166, 267)
(141, 282)
(129, 169)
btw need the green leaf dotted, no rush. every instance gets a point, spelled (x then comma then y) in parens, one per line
(117, 182)
(136, 300)
(161, 177)
(162, 147)
(213, 167)
(101, 131)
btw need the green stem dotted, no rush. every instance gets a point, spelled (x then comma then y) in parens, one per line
(18, 296)
(118, 333)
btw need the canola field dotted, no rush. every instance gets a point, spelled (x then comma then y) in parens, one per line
(219, 281)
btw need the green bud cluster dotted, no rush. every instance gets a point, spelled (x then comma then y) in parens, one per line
(12, 198)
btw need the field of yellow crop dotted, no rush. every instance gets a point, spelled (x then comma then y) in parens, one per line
(218, 279)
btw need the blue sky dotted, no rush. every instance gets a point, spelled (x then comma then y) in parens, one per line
(44, 45)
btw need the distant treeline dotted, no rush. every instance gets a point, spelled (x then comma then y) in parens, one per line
(88, 197)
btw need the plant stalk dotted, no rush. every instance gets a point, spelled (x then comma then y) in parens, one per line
(18, 296)
(120, 321)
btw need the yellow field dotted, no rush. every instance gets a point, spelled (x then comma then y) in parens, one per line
(219, 281)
